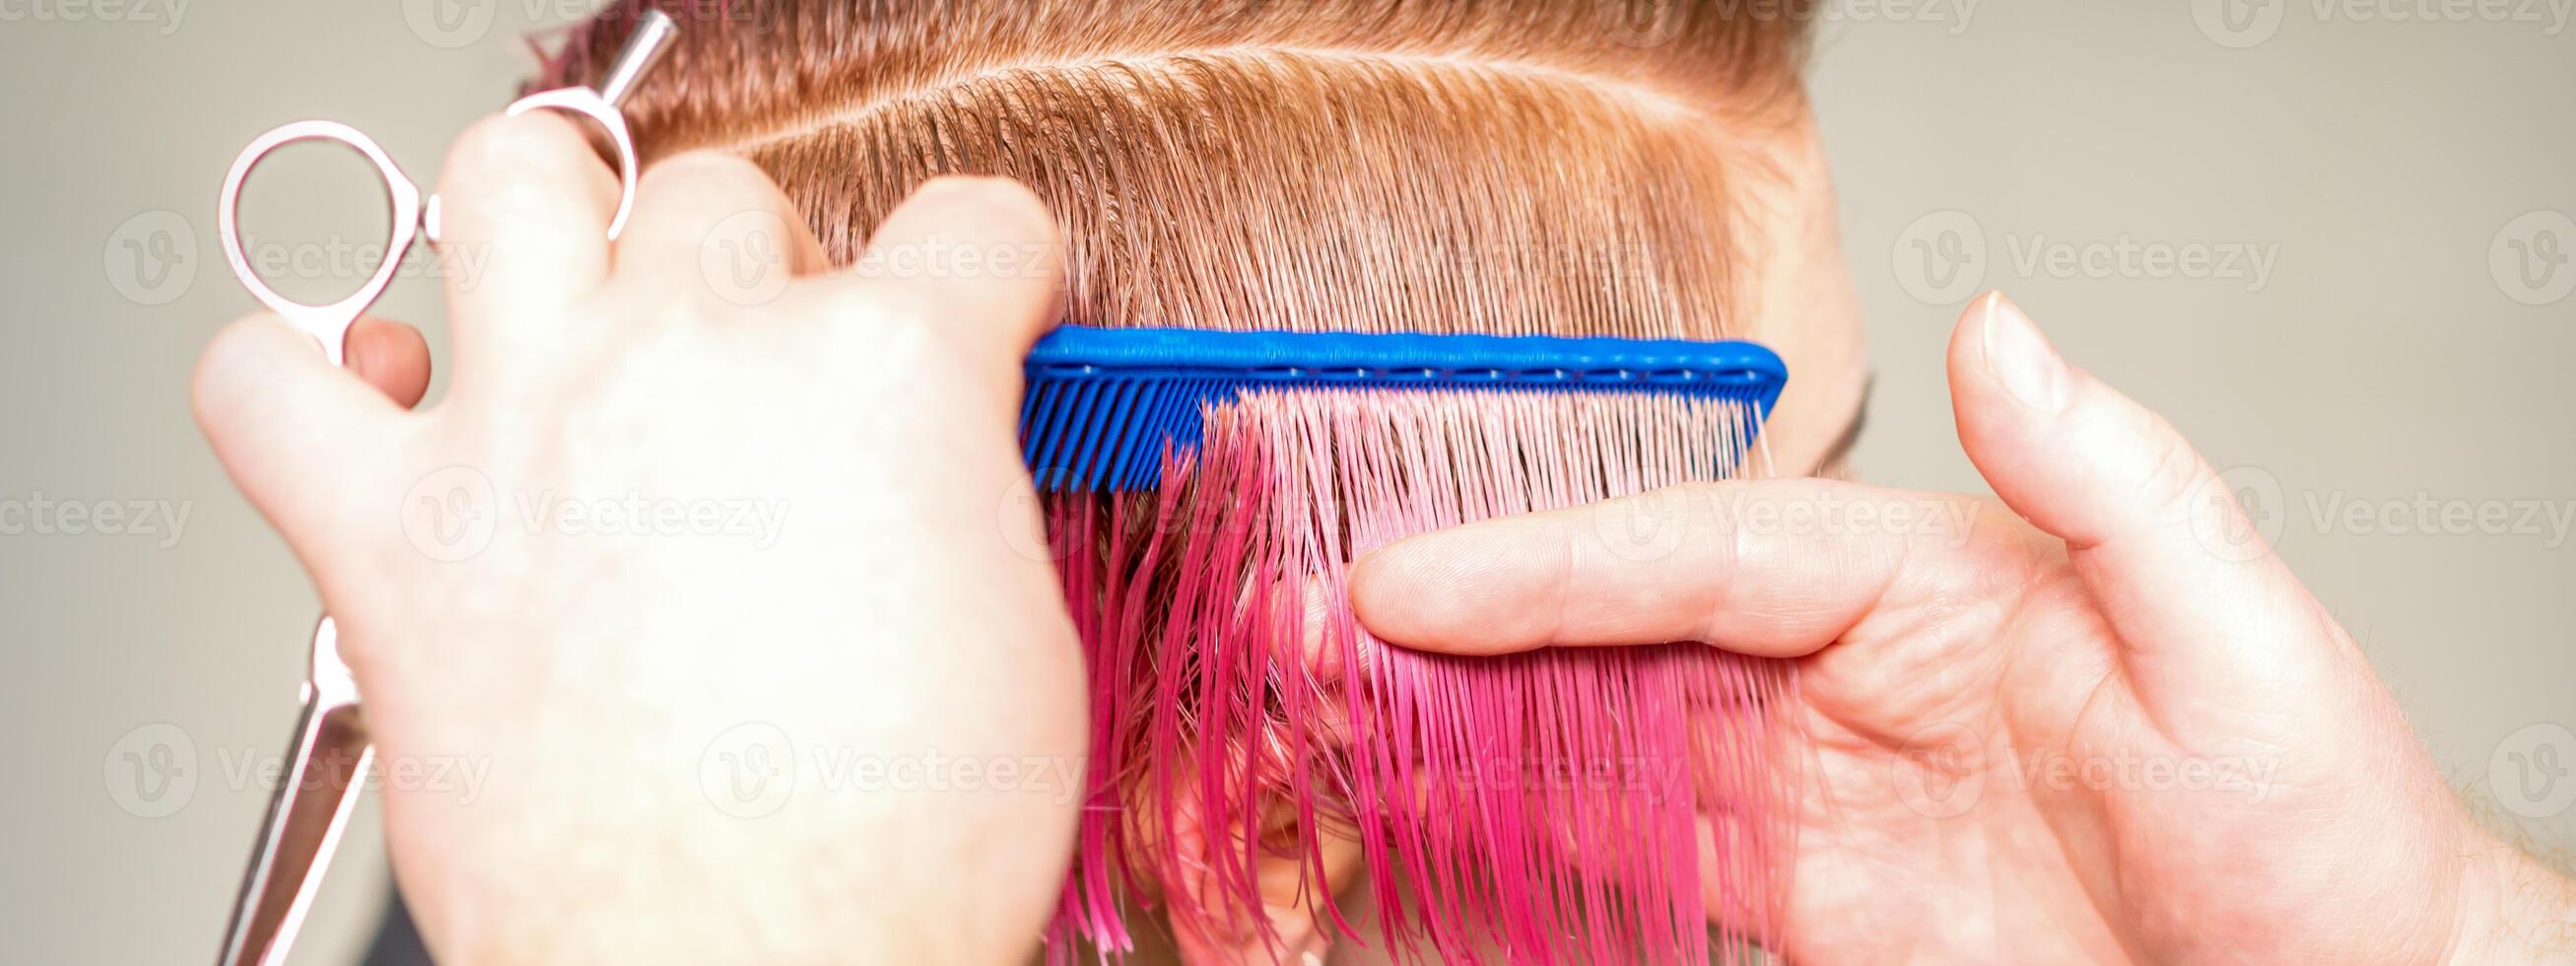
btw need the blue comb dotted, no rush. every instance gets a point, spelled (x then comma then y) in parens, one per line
(1103, 404)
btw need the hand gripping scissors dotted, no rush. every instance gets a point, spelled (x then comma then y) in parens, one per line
(318, 788)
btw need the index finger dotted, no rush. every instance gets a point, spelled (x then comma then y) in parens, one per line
(525, 206)
(1774, 568)
(980, 257)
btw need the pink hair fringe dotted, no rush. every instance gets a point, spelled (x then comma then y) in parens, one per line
(1559, 805)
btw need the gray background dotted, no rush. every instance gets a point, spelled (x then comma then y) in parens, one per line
(2403, 345)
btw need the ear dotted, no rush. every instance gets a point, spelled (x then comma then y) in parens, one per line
(1296, 923)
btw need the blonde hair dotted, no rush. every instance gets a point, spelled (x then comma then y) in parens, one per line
(1507, 167)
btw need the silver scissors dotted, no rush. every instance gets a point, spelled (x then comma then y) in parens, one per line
(318, 788)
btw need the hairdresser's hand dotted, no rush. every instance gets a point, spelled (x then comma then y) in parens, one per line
(688, 624)
(2113, 726)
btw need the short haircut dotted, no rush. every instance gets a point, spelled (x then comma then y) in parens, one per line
(1506, 167)
(1571, 167)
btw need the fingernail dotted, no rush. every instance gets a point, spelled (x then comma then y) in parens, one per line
(2020, 358)
(1316, 946)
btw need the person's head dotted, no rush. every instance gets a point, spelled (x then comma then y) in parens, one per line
(1589, 167)
(1644, 168)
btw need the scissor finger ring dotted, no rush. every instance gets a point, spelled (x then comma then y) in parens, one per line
(414, 216)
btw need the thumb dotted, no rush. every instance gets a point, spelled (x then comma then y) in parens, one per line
(2204, 609)
(289, 427)
(980, 256)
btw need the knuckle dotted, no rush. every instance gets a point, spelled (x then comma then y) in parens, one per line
(503, 145)
(237, 361)
(999, 205)
(243, 340)
(2174, 475)
(703, 169)
(229, 346)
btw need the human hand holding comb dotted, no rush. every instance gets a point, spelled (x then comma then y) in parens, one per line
(596, 675)
(2097, 727)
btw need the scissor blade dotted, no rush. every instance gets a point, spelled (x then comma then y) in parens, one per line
(305, 818)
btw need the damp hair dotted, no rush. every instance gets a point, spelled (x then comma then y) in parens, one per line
(1513, 167)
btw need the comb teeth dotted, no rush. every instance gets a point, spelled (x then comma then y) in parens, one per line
(1103, 405)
